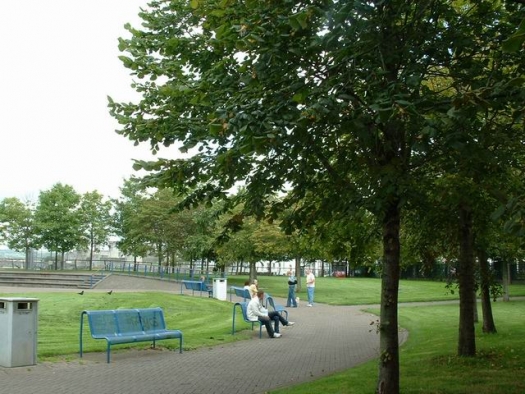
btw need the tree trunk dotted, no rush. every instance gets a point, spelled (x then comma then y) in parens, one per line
(467, 334)
(91, 247)
(388, 380)
(475, 306)
(253, 271)
(298, 272)
(486, 307)
(505, 276)
(28, 258)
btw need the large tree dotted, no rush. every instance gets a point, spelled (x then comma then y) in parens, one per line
(327, 101)
(96, 221)
(18, 219)
(59, 220)
(253, 242)
(126, 221)
(479, 138)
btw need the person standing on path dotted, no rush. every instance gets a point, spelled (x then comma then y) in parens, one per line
(292, 281)
(310, 286)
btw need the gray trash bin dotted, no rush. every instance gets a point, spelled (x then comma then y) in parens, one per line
(18, 331)
(220, 288)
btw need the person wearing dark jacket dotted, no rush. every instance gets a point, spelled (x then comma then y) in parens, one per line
(292, 281)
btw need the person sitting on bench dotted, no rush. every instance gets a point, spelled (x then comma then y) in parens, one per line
(256, 312)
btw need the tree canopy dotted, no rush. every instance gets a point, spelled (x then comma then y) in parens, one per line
(338, 106)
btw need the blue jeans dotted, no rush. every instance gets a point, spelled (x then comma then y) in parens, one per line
(268, 324)
(310, 292)
(276, 318)
(291, 301)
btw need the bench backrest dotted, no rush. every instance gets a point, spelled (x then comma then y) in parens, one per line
(242, 292)
(152, 320)
(195, 285)
(125, 321)
(128, 321)
(276, 307)
(244, 308)
(102, 323)
(271, 302)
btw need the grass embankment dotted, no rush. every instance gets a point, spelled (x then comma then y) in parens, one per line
(59, 320)
(429, 364)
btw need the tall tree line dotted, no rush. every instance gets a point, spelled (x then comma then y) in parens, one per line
(60, 221)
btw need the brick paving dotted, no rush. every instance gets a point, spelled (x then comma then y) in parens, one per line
(324, 340)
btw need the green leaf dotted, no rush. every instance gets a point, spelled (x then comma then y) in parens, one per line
(298, 97)
(128, 63)
(515, 41)
(195, 4)
(218, 13)
(299, 21)
(215, 129)
(498, 213)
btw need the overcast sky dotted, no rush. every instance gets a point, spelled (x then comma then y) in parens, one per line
(59, 62)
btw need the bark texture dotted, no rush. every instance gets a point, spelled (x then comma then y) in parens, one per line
(467, 334)
(388, 380)
(489, 326)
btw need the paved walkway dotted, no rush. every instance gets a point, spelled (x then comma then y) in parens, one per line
(324, 340)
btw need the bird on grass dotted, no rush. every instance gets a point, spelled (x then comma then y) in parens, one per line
(110, 292)
(81, 293)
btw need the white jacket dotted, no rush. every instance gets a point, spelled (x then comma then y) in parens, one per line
(255, 309)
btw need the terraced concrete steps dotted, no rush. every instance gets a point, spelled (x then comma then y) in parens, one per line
(50, 279)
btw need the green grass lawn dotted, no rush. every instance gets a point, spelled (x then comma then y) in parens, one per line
(428, 360)
(362, 291)
(429, 364)
(59, 320)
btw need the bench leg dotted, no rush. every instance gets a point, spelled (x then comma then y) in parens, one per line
(108, 352)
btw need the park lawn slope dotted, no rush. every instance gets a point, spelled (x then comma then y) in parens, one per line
(429, 364)
(59, 320)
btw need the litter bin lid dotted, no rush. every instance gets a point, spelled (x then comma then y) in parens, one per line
(18, 299)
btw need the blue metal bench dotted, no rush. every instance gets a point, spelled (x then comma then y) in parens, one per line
(240, 292)
(195, 285)
(128, 326)
(276, 307)
(244, 306)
